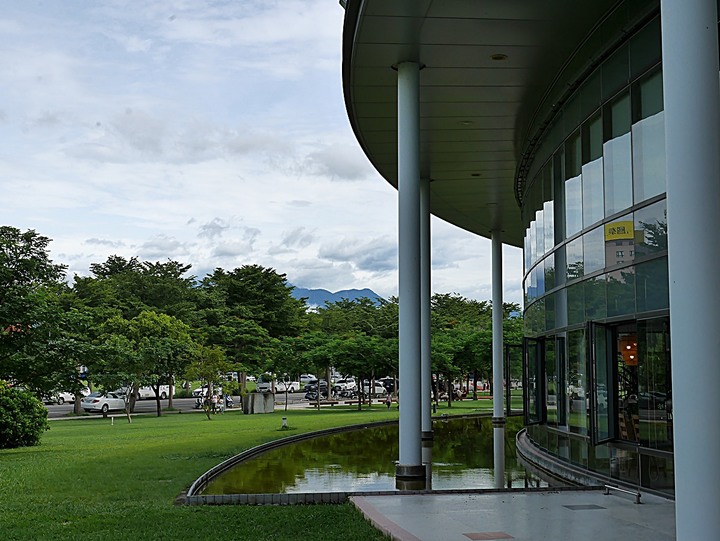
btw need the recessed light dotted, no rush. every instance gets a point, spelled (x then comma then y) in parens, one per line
(475, 174)
(499, 56)
(466, 122)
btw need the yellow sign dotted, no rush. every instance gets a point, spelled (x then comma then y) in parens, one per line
(619, 230)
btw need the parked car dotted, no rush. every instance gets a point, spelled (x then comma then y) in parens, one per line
(289, 386)
(102, 402)
(250, 378)
(378, 390)
(59, 397)
(203, 391)
(345, 384)
(305, 379)
(149, 392)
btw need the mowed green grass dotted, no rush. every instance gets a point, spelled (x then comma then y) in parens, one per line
(90, 479)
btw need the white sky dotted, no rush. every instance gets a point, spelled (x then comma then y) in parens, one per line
(211, 132)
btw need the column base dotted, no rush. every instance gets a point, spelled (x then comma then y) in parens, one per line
(410, 477)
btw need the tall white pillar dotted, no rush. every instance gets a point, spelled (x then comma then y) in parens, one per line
(692, 142)
(425, 294)
(409, 472)
(498, 418)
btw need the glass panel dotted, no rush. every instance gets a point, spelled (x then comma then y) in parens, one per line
(621, 292)
(551, 394)
(573, 185)
(561, 381)
(617, 158)
(573, 206)
(593, 250)
(595, 306)
(576, 303)
(592, 192)
(651, 229)
(540, 232)
(532, 360)
(652, 285)
(549, 311)
(539, 279)
(532, 242)
(627, 383)
(577, 382)
(648, 143)
(549, 226)
(574, 255)
(619, 241)
(602, 371)
(615, 72)
(645, 48)
(550, 272)
(654, 384)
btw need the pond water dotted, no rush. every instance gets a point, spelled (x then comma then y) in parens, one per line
(364, 460)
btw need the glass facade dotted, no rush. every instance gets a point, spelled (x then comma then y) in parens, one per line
(595, 282)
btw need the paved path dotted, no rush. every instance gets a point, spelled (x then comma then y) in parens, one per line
(567, 515)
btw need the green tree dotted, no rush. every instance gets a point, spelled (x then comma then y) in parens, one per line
(262, 295)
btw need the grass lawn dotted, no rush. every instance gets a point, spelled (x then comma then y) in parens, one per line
(90, 479)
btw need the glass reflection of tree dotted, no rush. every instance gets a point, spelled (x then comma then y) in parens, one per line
(654, 237)
(575, 270)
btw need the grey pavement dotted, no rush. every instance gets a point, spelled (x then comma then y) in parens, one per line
(589, 515)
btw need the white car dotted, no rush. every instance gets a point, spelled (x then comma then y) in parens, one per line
(346, 384)
(148, 392)
(289, 386)
(203, 391)
(102, 402)
(59, 397)
(307, 378)
(378, 391)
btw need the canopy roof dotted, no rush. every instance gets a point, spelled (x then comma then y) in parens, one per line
(489, 66)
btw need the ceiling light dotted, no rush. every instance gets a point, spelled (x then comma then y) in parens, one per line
(499, 56)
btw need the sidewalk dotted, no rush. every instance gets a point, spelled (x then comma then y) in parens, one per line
(561, 515)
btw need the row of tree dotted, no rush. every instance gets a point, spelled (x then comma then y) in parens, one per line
(132, 323)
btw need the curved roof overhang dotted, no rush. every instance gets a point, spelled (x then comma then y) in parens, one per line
(489, 66)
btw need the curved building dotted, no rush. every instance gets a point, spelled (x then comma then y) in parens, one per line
(586, 133)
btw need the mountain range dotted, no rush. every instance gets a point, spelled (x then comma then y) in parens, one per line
(318, 297)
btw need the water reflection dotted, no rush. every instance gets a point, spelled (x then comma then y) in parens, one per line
(364, 460)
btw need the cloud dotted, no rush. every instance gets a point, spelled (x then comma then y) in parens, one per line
(293, 241)
(338, 161)
(212, 229)
(105, 242)
(375, 255)
(161, 247)
(242, 245)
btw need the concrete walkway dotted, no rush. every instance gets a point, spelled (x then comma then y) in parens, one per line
(560, 515)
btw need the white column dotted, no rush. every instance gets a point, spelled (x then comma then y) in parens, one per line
(692, 142)
(425, 364)
(497, 358)
(409, 470)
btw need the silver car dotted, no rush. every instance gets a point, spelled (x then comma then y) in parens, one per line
(102, 402)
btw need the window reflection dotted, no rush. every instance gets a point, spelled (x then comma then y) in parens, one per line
(577, 382)
(574, 255)
(648, 143)
(619, 237)
(621, 292)
(595, 304)
(651, 229)
(593, 250)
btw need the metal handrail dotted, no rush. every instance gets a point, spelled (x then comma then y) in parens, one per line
(635, 493)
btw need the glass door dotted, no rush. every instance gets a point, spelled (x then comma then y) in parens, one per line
(602, 364)
(532, 386)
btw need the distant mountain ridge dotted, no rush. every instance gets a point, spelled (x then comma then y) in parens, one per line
(318, 297)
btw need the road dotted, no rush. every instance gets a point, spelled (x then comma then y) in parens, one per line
(56, 411)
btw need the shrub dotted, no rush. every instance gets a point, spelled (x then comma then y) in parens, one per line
(23, 418)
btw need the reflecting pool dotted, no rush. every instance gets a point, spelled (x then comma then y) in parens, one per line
(364, 460)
